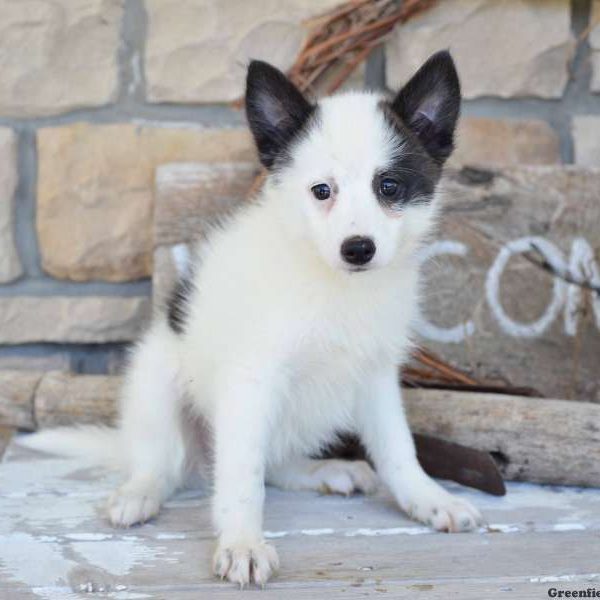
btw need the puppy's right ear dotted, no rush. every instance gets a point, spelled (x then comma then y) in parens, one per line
(276, 110)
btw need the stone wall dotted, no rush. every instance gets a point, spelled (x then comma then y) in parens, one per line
(95, 95)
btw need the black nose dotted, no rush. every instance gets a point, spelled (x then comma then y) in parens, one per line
(358, 250)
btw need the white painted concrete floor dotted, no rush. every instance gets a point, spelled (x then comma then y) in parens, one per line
(55, 543)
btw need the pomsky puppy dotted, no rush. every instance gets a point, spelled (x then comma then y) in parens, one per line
(293, 323)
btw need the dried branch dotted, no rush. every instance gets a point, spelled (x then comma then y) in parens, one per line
(340, 40)
(539, 260)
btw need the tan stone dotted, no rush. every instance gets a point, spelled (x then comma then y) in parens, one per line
(586, 140)
(594, 40)
(10, 265)
(64, 399)
(58, 56)
(95, 189)
(506, 48)
(197, 50)
(17, 390)
(72, 319)
(489, 142)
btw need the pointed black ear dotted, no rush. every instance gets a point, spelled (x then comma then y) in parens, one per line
(429, 104)
(275, 108)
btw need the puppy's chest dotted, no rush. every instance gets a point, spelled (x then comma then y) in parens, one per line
(339, 342)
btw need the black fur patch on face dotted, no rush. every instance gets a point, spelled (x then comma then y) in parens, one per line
(177, 305)
(411, 167)
(277, 112)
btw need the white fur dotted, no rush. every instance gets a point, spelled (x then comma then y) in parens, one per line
(284, 346)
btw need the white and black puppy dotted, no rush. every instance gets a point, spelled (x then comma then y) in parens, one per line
(295, 320)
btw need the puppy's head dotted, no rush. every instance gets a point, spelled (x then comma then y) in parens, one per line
(357, 172)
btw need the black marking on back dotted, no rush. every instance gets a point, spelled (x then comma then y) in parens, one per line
(178, 305)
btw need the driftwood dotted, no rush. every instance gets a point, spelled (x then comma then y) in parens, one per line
(511, 292)
(64, 399)
(17, 391)
(549, 441)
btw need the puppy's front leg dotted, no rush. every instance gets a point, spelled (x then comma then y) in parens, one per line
(241, 430)
(389, 441)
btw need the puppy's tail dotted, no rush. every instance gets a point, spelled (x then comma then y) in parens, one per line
(96, 444)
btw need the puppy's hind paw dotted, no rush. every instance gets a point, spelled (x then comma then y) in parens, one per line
(344, 476)
(246, 563)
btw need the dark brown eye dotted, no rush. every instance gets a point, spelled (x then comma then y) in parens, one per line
(388, 187)
(321, 191)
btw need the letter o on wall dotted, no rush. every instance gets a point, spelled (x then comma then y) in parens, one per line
(492, 286)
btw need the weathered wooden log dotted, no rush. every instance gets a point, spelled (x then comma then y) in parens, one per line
(65, 399)
(544, 441)
(17, 391)
(531, 439)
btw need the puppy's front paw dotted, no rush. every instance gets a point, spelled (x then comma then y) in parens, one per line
(245, 563)
(434, 506)
(134, 502)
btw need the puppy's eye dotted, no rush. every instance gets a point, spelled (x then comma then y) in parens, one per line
(321, 191)
(388, 187)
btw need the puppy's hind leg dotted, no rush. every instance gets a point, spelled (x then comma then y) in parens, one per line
(151, 433)
(333, 476)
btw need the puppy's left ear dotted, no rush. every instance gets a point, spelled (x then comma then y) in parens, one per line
(429, 104)
(276, 110)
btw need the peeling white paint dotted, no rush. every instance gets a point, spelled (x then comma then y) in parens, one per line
(170, 536)
(389, 531)
(325, 531)
(128, 595)
(563, 578)
(275, 534)
(55, 593)
(569, 527)
(37, 564)
(88, 537)
(118, 557)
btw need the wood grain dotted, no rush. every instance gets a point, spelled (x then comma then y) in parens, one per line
(549, 441)
(330, 546)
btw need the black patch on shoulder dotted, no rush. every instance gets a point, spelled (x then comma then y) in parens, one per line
(178, 305)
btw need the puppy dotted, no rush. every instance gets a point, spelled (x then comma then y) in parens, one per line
(294, 322)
